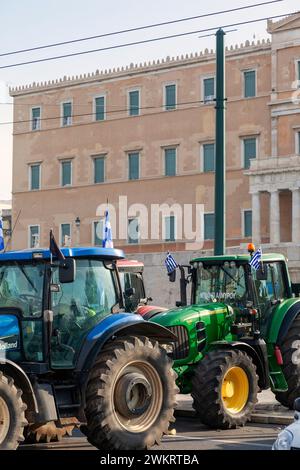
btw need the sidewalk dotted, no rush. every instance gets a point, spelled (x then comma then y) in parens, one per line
(267, 410)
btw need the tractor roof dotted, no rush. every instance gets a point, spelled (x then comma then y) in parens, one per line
(25, 255)
(241, 258)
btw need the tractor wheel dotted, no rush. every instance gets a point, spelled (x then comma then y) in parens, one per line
(130, 395)
(225, 387)
(291, 365)
(12, 414)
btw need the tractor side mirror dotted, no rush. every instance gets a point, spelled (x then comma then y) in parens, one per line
(67, 271)
(129, 292)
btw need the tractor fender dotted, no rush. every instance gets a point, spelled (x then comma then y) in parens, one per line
(22, 382)
(258, 354)
(287, 321)
(120, 324)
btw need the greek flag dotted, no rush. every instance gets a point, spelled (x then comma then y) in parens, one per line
(256, 259)
(1, 235)
(170, 263)
(107, 241)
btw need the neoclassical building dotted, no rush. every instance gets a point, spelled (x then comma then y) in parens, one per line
(146, 132)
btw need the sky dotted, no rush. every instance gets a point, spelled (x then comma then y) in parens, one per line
(33, 23)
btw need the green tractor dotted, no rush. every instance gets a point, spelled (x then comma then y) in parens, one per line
(240, 335)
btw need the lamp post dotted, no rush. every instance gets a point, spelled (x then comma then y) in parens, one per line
(77, 224)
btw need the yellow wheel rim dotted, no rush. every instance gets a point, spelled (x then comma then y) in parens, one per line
(235, 390)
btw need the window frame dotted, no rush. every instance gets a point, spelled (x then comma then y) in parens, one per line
(167, 84)
(136, 241)
(176, 161)
(243, 138)
(129, 154)
(207, 213)
(101, 219)
(31, 118)
(98, 157)
(67, 160)
(244, 83)
(202, 159)
(60, 233)
(62, 113)
(29, 234)
(103, 95)
(132, 90)
(208, 77)
(166, 240)
(30, 165)
(244, 211)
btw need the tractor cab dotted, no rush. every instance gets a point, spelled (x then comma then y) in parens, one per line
(79, 295)
(132, 284)
(252, 295)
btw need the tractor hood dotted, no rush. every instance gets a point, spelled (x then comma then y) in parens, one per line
(191, 314)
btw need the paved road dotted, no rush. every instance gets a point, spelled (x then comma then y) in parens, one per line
(190, 436)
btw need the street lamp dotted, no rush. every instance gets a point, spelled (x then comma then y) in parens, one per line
(77, 224)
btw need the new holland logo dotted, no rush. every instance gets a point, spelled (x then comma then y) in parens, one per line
(7, 344)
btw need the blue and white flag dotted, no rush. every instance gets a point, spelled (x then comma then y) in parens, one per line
(107, 241)
(1, 235)
(170, 263)
(255, 261)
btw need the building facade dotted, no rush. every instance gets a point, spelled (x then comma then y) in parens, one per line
(146, 133)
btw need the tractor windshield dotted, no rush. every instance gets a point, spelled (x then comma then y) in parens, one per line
(220, 283)
(21, 286)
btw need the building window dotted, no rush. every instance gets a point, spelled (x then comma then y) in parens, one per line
(66, 173)
(100, 108)
(134, 166)
(67, 114)
(170, 162)
(249, 151)
(99, 170)
(247, 223)
(65, 234)
(170, 97)
(98, 227)
(209, 90)
(170, 229)
(298, 143)
(35, 119)
(209, 226)
(134, 103)
(298, 72)
(208, 157)
(34, 236)
(133, 231)
(35, 177)
(250, 84)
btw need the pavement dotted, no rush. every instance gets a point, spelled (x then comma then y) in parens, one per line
(267, 411)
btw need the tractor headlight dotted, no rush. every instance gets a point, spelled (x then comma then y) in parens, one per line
(284, 441)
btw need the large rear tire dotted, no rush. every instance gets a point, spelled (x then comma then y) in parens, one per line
(12, 414)
(225, 387)
(291, 365)
(130, 395)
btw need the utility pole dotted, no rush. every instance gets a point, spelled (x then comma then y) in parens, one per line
(220, 183)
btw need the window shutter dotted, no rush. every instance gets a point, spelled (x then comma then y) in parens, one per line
(248, 223)
(209, 226)
(249, 151)
(250, 83)
(133, 166)
(100, 108)
(134, 103)
(208, 157)
(170, 97)
(170, 162)
(99, 170)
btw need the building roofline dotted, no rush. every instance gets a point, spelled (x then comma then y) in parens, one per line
(138, 68)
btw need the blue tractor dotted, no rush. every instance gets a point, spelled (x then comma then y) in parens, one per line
(71, 356)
